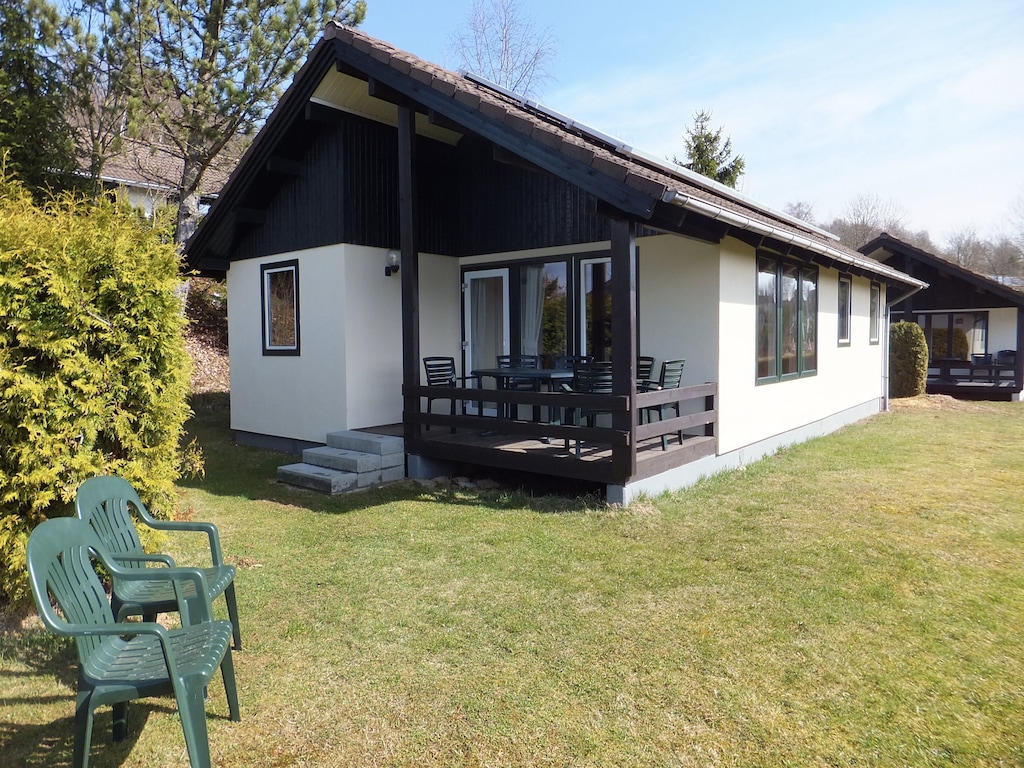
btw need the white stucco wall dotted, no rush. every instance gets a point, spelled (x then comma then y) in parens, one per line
(678, 297)
(273, 395)
(1002, 329)
(848, 376)
(348, 374)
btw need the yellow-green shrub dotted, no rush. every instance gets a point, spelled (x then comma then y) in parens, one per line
(908, 360)
(93, 369)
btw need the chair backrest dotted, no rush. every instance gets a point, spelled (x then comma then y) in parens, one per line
(1006, 357)
(568, 362)
(644, 367)
(593, 378)
(519, 361)
(440, 371)
(671, 374)
(105, 503)
(60, 567)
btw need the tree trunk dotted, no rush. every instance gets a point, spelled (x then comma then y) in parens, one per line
(188, 200)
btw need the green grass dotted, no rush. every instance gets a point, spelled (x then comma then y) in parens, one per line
(853, 601)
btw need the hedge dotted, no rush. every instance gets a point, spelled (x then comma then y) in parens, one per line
(94, 374)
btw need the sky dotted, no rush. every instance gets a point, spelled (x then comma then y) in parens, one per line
(918, 104)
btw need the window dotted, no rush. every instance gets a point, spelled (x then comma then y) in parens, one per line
(596, 330)
(543, 310)
(280, 299)
(787, 320)
(876, 313)
(845, 311)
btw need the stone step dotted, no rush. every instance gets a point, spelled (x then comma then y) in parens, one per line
(342, 459)
(366, 442)
(321, 479)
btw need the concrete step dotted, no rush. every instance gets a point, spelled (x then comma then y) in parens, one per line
(321, 479)
(342, 459)
(366, 442)
(349, 461)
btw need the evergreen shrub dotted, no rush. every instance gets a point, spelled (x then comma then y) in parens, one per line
(908, 360)
(94, 374)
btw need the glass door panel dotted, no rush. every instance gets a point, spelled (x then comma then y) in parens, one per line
(485, 321)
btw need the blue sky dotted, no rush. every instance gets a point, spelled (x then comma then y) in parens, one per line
(917, 102)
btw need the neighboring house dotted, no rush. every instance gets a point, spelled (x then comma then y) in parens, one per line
(974, 324)
(521, 230)
(149, 174)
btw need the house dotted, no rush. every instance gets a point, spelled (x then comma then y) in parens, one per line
(974, 324)
(391, 210)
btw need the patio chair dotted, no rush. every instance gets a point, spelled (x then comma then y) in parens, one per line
(518, 384)
(1006, 357)
(594, 378)
(117, 662)
(106, 503)
(569, 362)
(644, 368)
(440, 372)
(671, 378)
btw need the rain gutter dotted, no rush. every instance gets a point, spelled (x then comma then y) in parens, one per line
(734, 219)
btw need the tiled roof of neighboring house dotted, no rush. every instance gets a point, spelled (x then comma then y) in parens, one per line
(626, 179)
(157, 166)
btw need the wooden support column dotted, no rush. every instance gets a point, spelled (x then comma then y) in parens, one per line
(1018, 358)
(410, 265)
(624, 350)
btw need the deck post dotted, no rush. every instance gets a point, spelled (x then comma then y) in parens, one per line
(410, 269)
(624, 350)
(1018, 357)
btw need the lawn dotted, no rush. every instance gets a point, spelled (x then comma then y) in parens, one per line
(853, 601)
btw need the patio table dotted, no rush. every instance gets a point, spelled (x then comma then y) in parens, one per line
(543, 376)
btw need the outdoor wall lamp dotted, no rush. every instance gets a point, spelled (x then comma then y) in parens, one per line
(392, 260)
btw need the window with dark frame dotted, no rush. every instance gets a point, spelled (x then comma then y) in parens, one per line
(875, 331)
(280, 304)
(787, 319)
(845, 309)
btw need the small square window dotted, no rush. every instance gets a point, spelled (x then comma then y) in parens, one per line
(280, 295)
(845, 310)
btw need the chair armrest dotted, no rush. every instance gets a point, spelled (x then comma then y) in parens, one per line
(184, 525)
(162, 559)
(647, 386)
(192, 611)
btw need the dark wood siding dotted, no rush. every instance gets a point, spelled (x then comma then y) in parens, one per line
(470, 203)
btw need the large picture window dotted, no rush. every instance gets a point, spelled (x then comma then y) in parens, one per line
(787, 319)
(280, 301)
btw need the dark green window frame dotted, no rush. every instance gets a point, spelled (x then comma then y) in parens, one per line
(787, 319)
(844, 310)
(875, 314)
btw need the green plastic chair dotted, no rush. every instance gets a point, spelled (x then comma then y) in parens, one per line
(119, 662)
(671, 378)
(105, 503)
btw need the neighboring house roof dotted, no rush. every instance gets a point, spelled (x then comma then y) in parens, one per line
(156, 167)
(347, 67)
(952, 286)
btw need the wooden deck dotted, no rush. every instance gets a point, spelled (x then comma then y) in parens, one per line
(974, 381)
(613, 452)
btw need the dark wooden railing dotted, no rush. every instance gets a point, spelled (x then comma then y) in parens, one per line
(543, 412)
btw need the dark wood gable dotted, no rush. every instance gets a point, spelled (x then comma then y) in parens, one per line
(344, 189)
